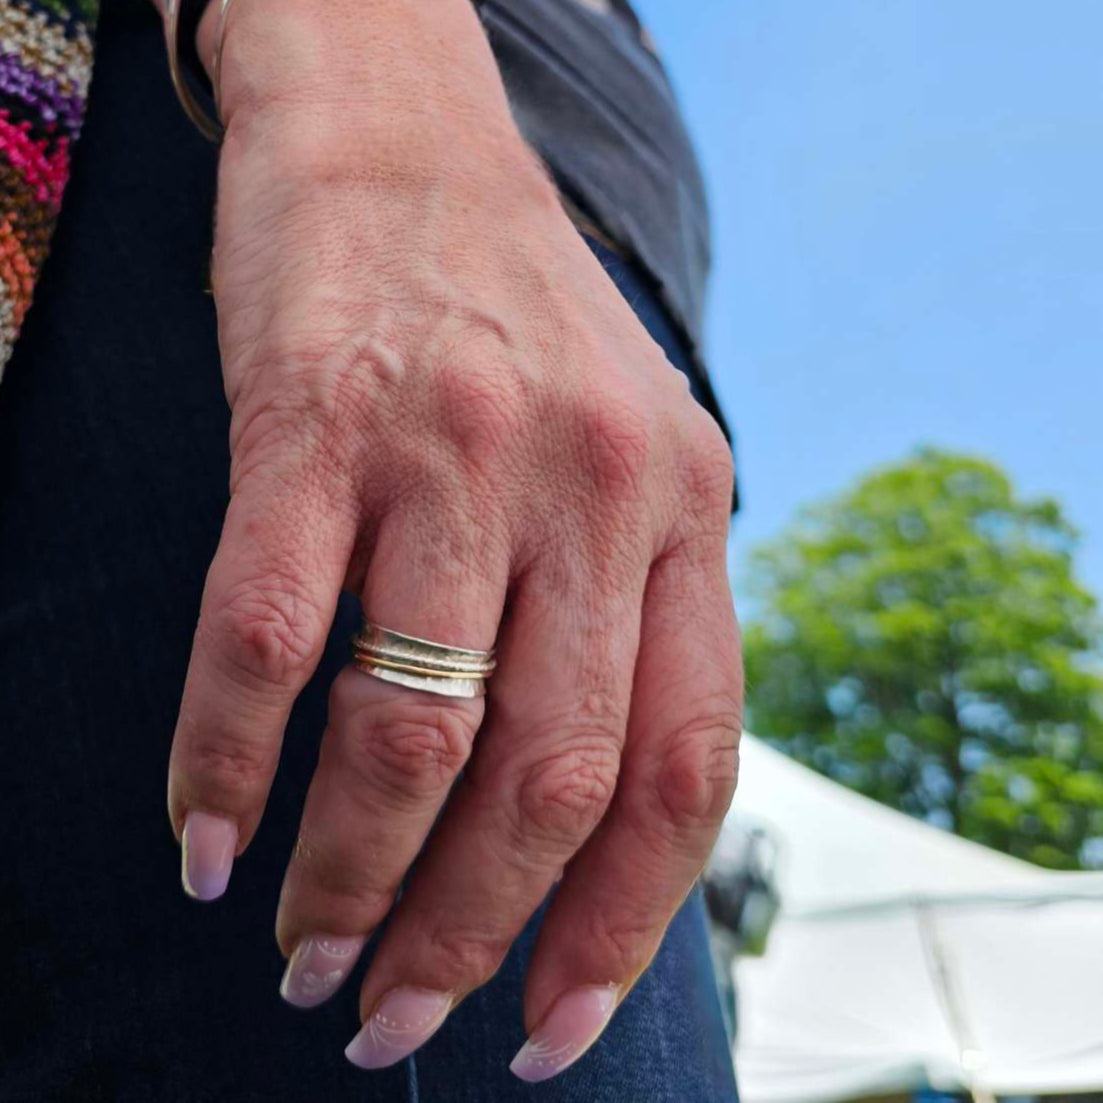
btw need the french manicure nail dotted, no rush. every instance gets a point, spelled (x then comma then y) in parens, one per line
(404, 1020)
(317, 968)
(574, 1023)
(208, 843)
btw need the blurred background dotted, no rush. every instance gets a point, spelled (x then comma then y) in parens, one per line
(906, 328)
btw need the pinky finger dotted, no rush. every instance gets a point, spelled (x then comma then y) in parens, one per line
(677, 779)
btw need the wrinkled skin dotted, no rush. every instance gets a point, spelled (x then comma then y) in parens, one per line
(442, 404)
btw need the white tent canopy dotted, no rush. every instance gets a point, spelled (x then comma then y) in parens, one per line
(906, 957)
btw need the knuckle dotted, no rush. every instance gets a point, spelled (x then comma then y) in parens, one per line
(484, 411)
(332, 878)
(277, 406)
(617, 443)
(709, 465)
(465, 958)
(301, 426)
(624, 944)
(267, 633)
(410, 749)
(697, 773)
(561, 797)
(258, 436)
(232, 770)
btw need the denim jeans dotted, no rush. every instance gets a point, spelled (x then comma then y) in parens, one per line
(113, 482)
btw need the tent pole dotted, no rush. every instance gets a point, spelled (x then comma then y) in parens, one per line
(952, 1004)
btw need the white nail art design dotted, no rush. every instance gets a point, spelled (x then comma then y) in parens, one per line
(543, 1055)
(317, 969)
(573, 1024)
(320, 984)
(405, 1019)
(337, 949)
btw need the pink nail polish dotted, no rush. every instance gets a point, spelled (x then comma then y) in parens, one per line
(318, 967)
(574, 1023)
(208, 844)
(404, 1020)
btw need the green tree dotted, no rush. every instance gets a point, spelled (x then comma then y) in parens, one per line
(923, 640)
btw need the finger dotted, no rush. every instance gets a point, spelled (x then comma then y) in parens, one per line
(268, 603)
(677, 778)
(390, 754)
(543, 773)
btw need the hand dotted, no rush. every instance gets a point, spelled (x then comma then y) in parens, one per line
(441, 403)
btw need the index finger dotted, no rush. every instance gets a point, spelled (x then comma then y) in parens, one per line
(268, 603)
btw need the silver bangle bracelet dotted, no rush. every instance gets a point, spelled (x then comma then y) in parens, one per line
(210, 126)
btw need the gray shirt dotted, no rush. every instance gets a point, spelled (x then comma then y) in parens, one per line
(592, 98)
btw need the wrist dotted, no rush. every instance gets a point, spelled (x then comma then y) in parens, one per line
(369, 60)
(404, 93)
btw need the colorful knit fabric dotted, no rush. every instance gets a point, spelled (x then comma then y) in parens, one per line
(45, 68)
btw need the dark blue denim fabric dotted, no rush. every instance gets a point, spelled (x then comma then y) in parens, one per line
(113, 482)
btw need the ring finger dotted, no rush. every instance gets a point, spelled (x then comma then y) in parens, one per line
(541, 779)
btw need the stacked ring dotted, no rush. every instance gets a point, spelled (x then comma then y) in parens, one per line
(421, 664)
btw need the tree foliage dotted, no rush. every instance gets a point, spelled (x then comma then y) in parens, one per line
(923, 639)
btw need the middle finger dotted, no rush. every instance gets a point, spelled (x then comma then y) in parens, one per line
(389, 754)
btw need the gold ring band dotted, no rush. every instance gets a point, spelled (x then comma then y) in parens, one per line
(429, 672)
(421, 664)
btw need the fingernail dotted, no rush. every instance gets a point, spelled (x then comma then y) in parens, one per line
(208, 845)
(404, 1020)
(574, 1023)
(317, 968)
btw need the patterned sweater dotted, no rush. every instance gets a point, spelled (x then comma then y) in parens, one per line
(45, 67)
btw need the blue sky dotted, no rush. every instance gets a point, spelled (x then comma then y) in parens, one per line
(908, 216)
